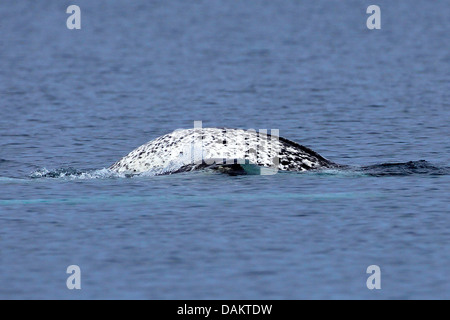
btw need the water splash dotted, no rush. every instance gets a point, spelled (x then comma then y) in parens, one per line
(72, 174)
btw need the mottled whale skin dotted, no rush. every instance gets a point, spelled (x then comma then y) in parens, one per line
(197, 148)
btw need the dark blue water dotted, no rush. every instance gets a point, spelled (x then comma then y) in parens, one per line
(72, 102)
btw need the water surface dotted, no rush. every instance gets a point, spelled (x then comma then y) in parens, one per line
(74, 102)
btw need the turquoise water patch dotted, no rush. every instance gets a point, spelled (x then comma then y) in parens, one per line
(197, 198)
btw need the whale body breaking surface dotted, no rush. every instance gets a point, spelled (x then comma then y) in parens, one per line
(223, 149)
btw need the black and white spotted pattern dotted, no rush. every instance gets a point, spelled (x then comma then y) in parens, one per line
(190, 149)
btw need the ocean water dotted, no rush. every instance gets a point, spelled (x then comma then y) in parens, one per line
(72, 102)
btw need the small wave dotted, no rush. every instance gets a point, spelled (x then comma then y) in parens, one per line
(10, 180)
(405, 168)
(421, 167)
(378, 170)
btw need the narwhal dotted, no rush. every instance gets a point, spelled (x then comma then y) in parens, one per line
(233, 151)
